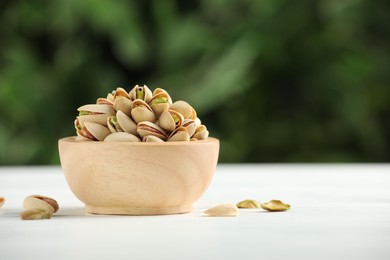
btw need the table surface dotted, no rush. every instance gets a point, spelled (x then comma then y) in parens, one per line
(338, 211)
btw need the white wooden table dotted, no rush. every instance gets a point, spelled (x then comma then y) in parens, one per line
(339, 211)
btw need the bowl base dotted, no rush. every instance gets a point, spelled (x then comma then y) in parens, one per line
(137, 210)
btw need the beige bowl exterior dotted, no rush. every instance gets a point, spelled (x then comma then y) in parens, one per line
(138, 178)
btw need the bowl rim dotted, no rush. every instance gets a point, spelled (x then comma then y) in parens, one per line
(72, 139)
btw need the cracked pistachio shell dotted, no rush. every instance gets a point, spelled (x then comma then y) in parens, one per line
(99, 132)
(146, 128)
(126, 123)
(82, 133)
(113, 125)
(40, 202)
(184, 108)
(104, 101)
(99, 119)
(141, 92)
(95, 109)
(275, 205)
(248, 204)
(121, 137)
(2, 201)
(160, 90)
(159, 103)
(201, 133)
(120, 92)
(190, 125)
(123, 104)
(141, 111)
(151, 138)
(223, 210)
(170, 120)
(198, 122)
(180, 134)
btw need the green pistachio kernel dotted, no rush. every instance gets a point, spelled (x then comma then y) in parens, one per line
(85, 113)
(159, 100)
(140, 93)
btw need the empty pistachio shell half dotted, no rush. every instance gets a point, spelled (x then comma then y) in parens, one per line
(35, 214)
(275, 205)
(223, 210)
(121, 137)
(40, 202)
(2, 201)
(248, 204)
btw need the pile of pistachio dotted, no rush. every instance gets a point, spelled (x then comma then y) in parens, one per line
(139, 115)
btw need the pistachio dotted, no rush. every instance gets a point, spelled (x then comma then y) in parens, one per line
(35, 214)
(223, 210)
(275, 205)
(248, 204)
(121, 137)
(40, 202)
(126, 112)
(2, 201)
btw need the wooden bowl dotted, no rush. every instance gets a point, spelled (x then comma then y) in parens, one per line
(138, 178)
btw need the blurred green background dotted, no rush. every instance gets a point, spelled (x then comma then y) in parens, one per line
(274, 80)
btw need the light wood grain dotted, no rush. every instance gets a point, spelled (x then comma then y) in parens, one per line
(138, 178)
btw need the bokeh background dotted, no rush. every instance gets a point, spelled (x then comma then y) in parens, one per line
(274, 80)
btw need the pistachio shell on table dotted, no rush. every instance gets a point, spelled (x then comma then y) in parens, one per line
(95, 131)
(40, 202)
(180, 134)
(141, 111)
(223, 210)
(141, 92)
(201, 133)
(113, 124)
(35, 214)
(275, 205)
(121, 92)
(184, 108)
(190, 125)
(121, 137)
(2, 201)
(123, 104)
(146, 128)
(151, 138)
(126, 123)
(159, 103)
(170, 120)
(248, 204)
